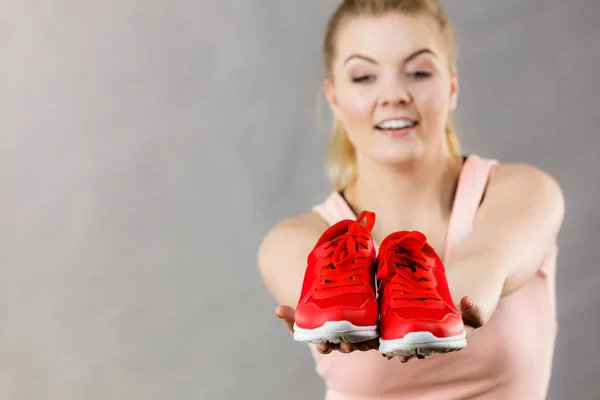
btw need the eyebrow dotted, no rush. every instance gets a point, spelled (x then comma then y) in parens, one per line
(372, 61)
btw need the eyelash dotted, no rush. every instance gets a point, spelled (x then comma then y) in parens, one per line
(362, 79)
(416, 75)
(420, 74)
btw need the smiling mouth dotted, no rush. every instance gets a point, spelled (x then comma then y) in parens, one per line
(396, 125)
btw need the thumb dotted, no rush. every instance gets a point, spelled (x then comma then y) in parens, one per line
(288, 315)
(471, 313)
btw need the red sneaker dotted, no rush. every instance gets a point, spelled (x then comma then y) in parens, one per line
(338, 301)
(417, 314)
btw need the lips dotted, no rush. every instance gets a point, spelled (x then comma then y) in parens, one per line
(398, 127)
(396, 124)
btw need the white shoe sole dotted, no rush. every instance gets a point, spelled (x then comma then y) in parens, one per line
(421, 343)
(336, 332)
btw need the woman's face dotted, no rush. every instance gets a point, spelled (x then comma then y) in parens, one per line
(392, 86)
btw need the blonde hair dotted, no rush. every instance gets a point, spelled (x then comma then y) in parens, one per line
(341, 156)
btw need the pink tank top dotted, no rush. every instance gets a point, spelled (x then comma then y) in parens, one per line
(510, 358)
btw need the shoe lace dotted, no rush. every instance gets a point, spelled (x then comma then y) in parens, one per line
(404, 265)
(343, 261)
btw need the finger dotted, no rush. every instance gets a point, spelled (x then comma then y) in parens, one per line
(364, 346)
(328, 347)
(346, 347)
(372, 344)
(288, 315)
(324, 348)
(471, 313)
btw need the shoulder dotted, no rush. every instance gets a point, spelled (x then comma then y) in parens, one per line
(291, 233)
(283, 252)
(527, 183)
(511, 176)
(522, 189)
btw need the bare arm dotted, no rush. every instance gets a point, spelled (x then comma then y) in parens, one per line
(282, 260)
(283, 253)
(515, 228)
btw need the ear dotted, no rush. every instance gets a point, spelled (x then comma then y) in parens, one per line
(453, 89)
(332, 98)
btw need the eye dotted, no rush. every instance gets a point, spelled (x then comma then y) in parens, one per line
(363, 79)
(419, 74)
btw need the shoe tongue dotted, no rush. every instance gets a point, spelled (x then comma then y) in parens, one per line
(346, 249)
(407, 241)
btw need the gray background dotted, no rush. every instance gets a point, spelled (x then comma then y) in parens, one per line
(147, 146)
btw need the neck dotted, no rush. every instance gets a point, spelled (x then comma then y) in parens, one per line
(410, 196)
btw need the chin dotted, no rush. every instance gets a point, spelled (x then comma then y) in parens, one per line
(399, 154)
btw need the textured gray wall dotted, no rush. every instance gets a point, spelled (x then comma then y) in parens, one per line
(147, 146)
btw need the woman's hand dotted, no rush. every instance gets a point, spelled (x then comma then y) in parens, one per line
(287, 314)
(472, 318)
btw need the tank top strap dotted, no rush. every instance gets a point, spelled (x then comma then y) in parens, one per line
(334, 209)
(469, 194)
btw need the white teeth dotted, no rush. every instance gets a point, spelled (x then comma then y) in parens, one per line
(395, 124)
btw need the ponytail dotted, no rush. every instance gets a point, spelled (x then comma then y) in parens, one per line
(452, 138)
(341, 158)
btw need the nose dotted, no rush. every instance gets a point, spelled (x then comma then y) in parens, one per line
(395, 93)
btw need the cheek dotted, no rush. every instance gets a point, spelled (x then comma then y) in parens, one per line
(357, 104)
(433, 97)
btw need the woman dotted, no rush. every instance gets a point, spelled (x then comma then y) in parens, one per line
(494, 225)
